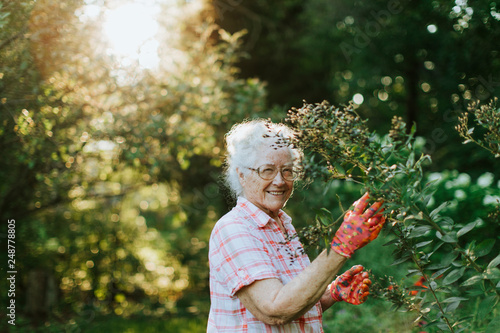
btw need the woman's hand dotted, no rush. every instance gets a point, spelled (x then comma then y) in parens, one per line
(359, 228)
(352, 286)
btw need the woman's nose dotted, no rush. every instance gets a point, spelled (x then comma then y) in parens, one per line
(278, 179)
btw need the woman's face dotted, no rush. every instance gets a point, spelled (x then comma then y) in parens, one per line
(269, 195)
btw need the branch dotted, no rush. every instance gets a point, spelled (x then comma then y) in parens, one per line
(9, 40)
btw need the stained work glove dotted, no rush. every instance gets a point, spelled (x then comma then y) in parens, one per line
(359, 228)
(352, 286)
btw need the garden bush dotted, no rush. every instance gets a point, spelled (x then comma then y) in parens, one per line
(445, 243)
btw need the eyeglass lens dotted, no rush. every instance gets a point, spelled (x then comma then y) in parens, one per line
(268, 172)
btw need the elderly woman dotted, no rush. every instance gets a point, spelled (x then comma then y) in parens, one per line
(260, 279)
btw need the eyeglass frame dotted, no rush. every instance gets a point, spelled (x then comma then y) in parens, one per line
(295, 170)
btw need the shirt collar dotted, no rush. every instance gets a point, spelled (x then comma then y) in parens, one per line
(260, 217)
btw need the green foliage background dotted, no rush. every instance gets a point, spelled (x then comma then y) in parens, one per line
(112, 174)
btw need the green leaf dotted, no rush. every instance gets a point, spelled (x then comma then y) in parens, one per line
(431, 324)
(486, 306)
(440, 272)
(326, 211)
(326, 242)
(426, 199)
(471, 246)
(434, 213)
(443, 326)
(339, 169)
(484, 247)
(473, 280)
(324, 216)
(454, 276)
(400, 260)
(323, 220)
(445, 261)
(394, 241)
(454, 299)
(445, 220)
(492, 273)
(419, 231)
(417, 217)
(495, 262)
(422, 244)
(468, 227)
(413, 129)
(411, 160)
(452, 307)
(475, 292)
(464, 326)
(412, 272)
(436, 247)
(433, 285)
(493, 326)
(4, 15)
(450, 237)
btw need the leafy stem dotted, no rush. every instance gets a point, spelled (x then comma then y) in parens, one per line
(459, 249)
(431, 288)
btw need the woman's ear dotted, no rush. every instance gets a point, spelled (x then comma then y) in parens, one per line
(241, 176)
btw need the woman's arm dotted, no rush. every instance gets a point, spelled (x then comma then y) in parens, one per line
(275, 304)
(326, 300)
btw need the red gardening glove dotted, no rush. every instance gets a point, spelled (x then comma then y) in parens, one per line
(358, 228)
(352, 286)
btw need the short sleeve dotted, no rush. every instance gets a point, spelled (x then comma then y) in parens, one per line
(238, 257)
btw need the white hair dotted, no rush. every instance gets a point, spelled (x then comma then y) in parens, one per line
(244, 142)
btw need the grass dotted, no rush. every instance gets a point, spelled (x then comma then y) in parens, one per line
(148, 325)
(373, 316)
(115, 324)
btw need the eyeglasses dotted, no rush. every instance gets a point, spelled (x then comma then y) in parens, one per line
(269, 171)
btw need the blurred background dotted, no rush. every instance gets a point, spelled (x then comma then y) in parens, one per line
(113, 114)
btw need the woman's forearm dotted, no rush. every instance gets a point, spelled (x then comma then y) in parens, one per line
(326, 300)
(310, 285)
(275, 303)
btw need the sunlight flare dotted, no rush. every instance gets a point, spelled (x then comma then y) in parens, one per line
(131, 30)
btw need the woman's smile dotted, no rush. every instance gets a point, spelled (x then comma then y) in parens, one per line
(276, 192)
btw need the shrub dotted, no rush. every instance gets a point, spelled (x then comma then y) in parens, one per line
(451, 267)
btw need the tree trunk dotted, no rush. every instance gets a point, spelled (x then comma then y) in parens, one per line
(412, 99)
(41, 293)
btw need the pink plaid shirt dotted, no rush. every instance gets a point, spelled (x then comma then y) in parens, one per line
(247, 245)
